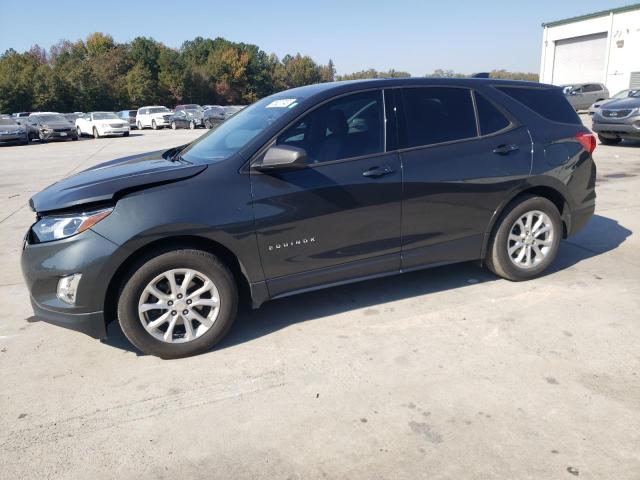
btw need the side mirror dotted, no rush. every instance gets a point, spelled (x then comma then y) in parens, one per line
(281, 157)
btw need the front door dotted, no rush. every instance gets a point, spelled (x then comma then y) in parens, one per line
(457, 171)
(339, 217)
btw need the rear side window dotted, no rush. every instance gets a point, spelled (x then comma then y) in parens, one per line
(549, 103)
(436, 115)
(591, 88)
(490, 118)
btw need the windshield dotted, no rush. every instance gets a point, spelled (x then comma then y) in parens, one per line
(159, 110)
(105, 116)
(634, 93)
(193, 106)
(51, 118)
(238, 131)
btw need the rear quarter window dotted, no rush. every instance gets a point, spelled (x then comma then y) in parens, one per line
(549, 103)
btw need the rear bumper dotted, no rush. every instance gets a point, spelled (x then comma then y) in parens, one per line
(580, 218)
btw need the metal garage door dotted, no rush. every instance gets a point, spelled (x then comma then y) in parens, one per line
(634, 83)
(580, 59)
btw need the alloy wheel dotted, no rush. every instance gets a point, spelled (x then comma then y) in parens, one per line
(530, 239)
(179, 305)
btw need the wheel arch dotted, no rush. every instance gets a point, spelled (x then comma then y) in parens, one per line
(552, 194)
(141, 254)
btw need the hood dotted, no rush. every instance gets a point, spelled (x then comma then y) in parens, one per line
(104, 182)
(111, 121)
(629, 102)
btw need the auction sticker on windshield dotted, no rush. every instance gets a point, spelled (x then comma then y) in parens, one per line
(282, 103)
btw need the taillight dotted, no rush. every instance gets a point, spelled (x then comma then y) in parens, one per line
(587, 140)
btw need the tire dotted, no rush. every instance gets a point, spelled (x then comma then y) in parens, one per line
(609, 140)
(498, 258)
(96, 135)
(147, 272)
(154, 125)
(41, 138)
(207, 124)
(173, 126)
(78, 132)
(75, 137)
(192, 125)
(125, 134)
(139, 125)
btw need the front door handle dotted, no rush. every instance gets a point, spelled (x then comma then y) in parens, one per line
(505, 149)
(377, 172)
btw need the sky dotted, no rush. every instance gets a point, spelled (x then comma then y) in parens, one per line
(411, 35)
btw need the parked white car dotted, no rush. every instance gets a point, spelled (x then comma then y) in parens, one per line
(101, 124)
(154, 117)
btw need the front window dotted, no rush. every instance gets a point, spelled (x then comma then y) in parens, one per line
(350, 126)
(105, 116)
(234, 134)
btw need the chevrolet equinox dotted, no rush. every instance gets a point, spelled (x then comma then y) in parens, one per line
(309, 188)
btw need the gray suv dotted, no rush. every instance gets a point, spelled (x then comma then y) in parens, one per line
(618, 119)
(582, 95)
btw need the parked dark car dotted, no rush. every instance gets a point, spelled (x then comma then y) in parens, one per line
(312, 187)
(50, 126)
(214, 116)
(129, 116)
(187, 119)
(190, 106)
(10, 131)
(621, 94)
(231, 110)
(618, 119)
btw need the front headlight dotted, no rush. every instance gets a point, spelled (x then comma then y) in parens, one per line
(56, 227)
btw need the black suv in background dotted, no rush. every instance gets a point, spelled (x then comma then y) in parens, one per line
(129, 116)
(312, 187)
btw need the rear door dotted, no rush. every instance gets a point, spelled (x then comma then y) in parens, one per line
(338, 218)
(457, 169)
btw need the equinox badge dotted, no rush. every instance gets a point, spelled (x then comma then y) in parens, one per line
(292, 243)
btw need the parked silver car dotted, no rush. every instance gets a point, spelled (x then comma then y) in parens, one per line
(582, 95)
(622, 94)
(618, 120)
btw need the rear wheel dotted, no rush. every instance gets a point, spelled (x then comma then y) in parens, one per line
(526, 239)
(207, 124)
(609, 140)
(178, 303)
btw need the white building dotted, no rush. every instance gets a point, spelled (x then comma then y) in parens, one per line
(601, 47)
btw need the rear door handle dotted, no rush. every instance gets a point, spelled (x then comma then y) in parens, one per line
(377, 172)
(505, 149)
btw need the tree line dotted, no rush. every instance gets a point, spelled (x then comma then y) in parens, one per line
(101, 74)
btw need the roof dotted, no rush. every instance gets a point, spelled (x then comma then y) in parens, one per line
(310, 91)
(587, 16)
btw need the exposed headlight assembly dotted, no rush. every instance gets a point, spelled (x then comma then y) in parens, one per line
(56, 227)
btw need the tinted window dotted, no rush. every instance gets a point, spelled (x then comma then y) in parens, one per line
(490, 118)
(547, 102)
(347, 127)
(436, 115)
(591, 88)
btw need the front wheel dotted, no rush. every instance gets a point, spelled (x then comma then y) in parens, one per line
(154, 125)
(178, 303)
(139, 125)
(173, 125)
(526, 239)
(207, 124)
(609, 140)
(192, 125)
(95, 133)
